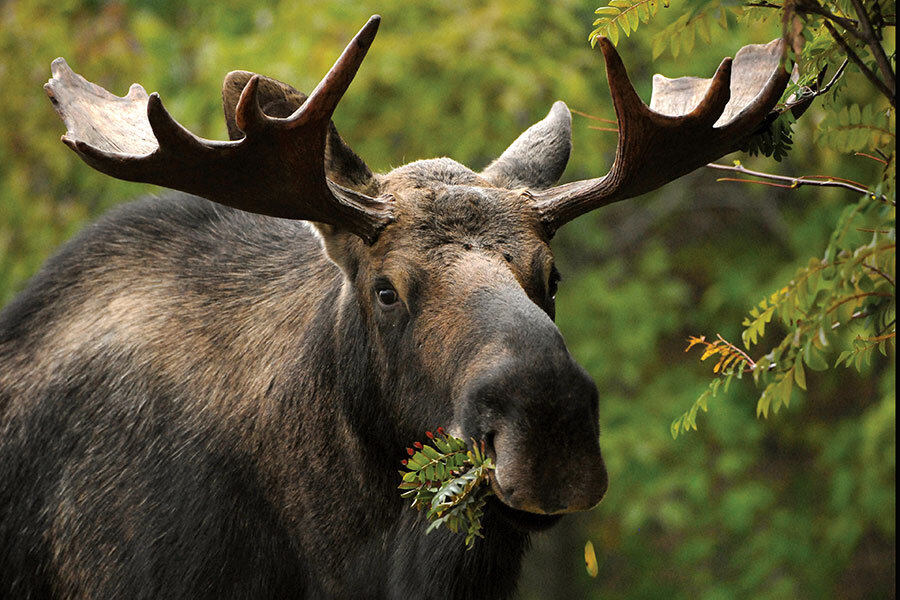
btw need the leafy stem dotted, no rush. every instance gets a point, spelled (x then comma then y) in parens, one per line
(449, 481)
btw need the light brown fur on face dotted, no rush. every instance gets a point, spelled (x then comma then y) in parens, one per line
(454, 234)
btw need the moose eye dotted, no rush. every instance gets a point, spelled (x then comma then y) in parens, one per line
(553, 283)
(386, 294)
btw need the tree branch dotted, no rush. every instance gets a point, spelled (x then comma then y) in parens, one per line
(860, 64)
(794, 182)
(843, 301)
(837, 75)
(887, 277)
(815, 8)
(875, 46)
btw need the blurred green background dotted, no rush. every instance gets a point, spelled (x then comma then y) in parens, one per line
(801, 505)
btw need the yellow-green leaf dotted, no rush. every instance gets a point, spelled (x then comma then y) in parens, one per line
(613, 33)
(799, 373)
(590, 559)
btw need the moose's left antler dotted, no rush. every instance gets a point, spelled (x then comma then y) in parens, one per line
(276, 169)
(690, 122)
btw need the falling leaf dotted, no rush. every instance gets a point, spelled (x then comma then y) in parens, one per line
(590, 559)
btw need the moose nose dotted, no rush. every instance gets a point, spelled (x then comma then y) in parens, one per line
(572, 481)
(544, 435)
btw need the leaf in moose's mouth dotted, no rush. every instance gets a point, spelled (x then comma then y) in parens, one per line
(448, 481)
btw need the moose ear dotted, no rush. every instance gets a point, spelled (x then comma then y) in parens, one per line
(538, 157)
(277, 99)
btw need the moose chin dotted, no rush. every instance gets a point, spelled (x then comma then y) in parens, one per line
(207, 394)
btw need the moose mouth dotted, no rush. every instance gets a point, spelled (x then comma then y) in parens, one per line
(520, 519)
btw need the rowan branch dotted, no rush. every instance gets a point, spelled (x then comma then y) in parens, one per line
(875, 158)
(795, 182)
(882, 87)
(840, 303)
(878, 271)
(817, 9)
(734, 348)
(871, 39)
(837, 75)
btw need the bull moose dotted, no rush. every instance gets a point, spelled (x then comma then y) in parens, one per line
(209, 397)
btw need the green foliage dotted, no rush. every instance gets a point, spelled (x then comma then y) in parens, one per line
(774, 140)
(745, 508)
(854, 129)
(679, 36)
(449, 482)
(731, 363)
(694, 24)
(627, 14)
(852, 288)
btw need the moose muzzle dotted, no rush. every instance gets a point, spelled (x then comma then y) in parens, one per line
(537, 410)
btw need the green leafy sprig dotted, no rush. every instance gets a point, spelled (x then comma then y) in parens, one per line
(449, 482)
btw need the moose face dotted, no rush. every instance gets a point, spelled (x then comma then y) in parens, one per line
(459, 294)
(451, 270)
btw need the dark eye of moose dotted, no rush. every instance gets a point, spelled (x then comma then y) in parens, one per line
(386, 294)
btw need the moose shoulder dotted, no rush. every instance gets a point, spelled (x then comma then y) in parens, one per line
(209, 397)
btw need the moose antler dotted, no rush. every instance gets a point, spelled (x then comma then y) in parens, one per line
(277, 169)
(690, 122)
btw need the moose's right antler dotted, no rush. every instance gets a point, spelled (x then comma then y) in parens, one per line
(277, 169)
(689, 122)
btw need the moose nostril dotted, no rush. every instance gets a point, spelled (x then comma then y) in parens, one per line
(489, 445)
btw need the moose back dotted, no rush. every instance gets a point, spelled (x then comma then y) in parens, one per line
(208, 394)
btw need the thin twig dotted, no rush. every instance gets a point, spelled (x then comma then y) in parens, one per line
(857, 297)
(612, 129)
(860, 64)
(734, 348)
(592, 117)
(880, 338)
(767, 183)
(833, 178)
(887, 277)
(837, 75)
(815, 8)
(888, 326)
(875, 158)
(794, 182)
(881, 59)
(803, 97)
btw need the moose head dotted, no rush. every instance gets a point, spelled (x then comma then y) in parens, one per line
(448, 270)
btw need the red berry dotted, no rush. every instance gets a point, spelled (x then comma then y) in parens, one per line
(429, 435)
(440, 431)
(417, 445)
(410, 451)
(403, 462)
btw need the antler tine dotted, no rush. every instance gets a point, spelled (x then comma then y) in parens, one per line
(325, 97)
(276, 169)
(321, 103)
(248, 114)
(689, 122)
